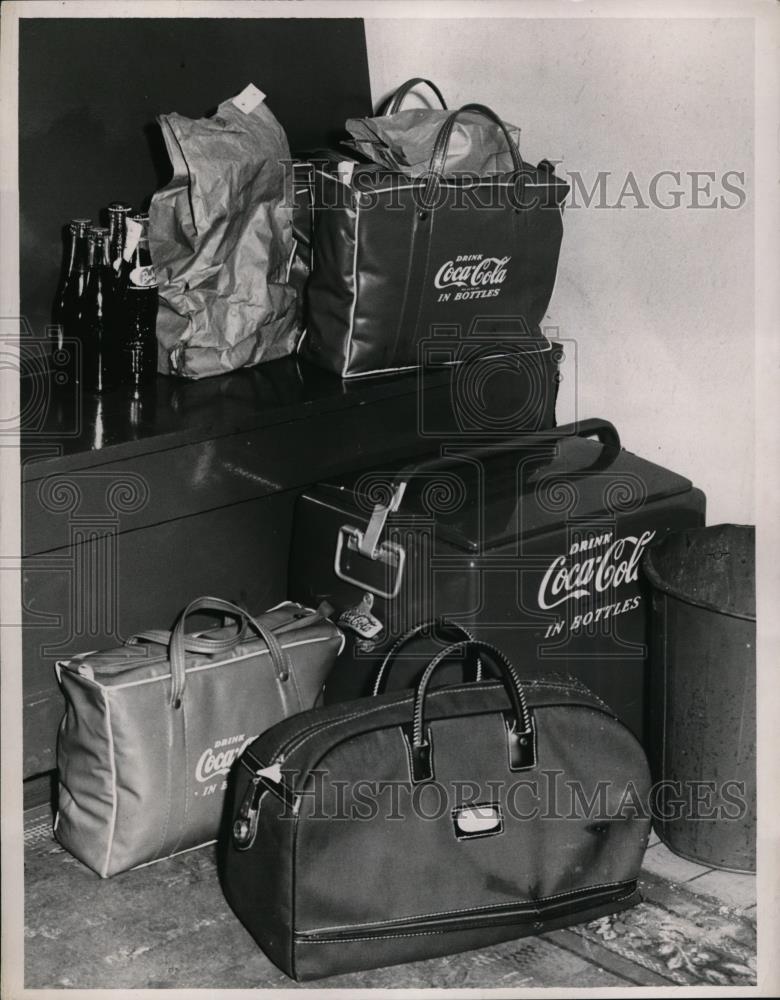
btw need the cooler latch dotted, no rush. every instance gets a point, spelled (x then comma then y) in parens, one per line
(366, 543)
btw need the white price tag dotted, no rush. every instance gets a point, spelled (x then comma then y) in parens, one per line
(345, 170)
(249, 98)
(132, 237)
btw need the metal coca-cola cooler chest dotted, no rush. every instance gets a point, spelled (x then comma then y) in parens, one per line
(533, 544)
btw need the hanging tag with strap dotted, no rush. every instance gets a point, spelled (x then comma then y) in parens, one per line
(360, 619)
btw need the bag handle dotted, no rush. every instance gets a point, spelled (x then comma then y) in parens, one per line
(521, 743)
(192, 643)
(439, 626)
(396, 100)
(368, 543)
(179, 642)
(442, 143)
(203, 643)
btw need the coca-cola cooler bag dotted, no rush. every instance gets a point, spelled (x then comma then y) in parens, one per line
(397, 259)
(533, 544)
(152, 728)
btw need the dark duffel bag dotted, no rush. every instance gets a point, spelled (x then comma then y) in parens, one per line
(419, 824)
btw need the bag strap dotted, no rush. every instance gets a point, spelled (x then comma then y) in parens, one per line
(203, 643)
(442, 628)
(442, 144)
(178, 642)
(192, 643)
(521, 741)
(396, 100)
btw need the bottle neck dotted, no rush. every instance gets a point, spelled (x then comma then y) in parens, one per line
(117, 228)
(71, 254)
(81, 260)
(97, 254)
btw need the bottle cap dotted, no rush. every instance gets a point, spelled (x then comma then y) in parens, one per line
(120, 206)
(140, 216)
(79, 224)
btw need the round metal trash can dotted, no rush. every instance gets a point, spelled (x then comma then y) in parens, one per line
(702, 694)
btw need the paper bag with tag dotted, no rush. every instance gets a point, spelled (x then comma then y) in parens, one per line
(222, 243)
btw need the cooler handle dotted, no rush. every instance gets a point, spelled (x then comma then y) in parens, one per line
(367, 543)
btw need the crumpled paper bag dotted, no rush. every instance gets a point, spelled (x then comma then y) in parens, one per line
(404, 141)
(221, 240)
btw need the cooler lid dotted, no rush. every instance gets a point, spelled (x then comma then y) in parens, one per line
(478, 507)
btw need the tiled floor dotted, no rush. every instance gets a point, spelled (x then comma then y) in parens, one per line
(169, 926)
(735, 891)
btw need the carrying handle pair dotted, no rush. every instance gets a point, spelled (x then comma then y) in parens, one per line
(397, 99)
(179, 643)
(441, 628)
(441, 148)
(521, 742)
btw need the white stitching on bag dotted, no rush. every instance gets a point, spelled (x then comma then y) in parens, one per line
(353, 306)
(301, 939)
(360, 715)
(443, 364)
(221, 663)
(432, 694)
(470, 909)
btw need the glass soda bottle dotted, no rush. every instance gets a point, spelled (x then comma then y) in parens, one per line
(94, 332)
(69, 303)
(139, 341)
(68, 277)
(118, 212)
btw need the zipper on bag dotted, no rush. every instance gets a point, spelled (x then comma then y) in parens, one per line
(532, 912)
(298, 619)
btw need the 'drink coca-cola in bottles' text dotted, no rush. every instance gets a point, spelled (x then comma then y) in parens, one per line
(477, 277)
(608, 564)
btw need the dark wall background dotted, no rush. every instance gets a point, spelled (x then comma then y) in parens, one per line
(90, 90)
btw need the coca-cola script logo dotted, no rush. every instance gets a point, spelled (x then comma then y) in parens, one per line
(471, 270)
(614, 565)
(219, 758)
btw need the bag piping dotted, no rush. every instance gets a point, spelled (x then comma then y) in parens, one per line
(353, 305)
(114, 795)
(204, 666)
(471, 909)
(175, 854)
(301, 938)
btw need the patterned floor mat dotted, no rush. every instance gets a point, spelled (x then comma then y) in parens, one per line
(696, 942)
(169, 926)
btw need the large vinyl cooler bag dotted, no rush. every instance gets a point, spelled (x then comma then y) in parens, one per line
(396, 260)
(533, 544)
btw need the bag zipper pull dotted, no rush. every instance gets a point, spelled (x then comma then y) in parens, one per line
(245, 827)
(271, 773)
